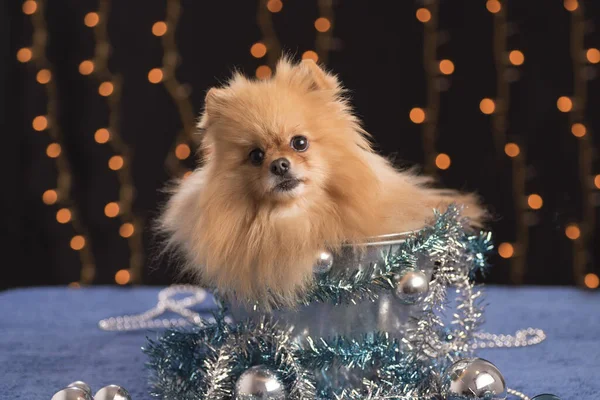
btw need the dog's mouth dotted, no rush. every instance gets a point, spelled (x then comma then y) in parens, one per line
(287, 185)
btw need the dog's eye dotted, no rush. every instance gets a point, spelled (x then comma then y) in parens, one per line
(257, 156)
(299, 143)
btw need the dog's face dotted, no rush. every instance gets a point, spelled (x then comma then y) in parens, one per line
(279, 140)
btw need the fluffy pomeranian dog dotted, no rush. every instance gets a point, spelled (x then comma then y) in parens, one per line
(288, 172)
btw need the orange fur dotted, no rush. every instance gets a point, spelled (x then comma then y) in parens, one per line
(248, 241)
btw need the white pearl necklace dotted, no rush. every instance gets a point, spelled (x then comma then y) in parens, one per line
(166, 303)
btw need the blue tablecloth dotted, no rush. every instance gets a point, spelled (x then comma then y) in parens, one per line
(49, 337)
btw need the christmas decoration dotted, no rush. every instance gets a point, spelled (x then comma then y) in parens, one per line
(411, 286)
(259, 383)
(370, 327)
(476, 378)
(112, 392)
(81, 391)
(545, 397)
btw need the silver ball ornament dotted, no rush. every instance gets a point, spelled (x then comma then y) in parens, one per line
(259, 383)
(72, 393)
(81, 385)
(112, 392)
(474, 377)
(411, 286)
(324, 262)
(546, 396)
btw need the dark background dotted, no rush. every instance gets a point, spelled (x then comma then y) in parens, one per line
(376, 47)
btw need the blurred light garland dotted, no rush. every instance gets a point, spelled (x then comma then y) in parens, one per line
(272, 47)
(577, 123)
(429, 117)
(185, 144)
(110, 87)
(324, 26)
(57, 149)
(515, 151)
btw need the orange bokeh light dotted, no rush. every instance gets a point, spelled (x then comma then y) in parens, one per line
(53, 150)
(126, 230)
(91, 19)
(274, 6)
(487, 106)
(571, 5)
(102, 135)
(112, 209)
(512, 149)
(442, 161)
(446, 67)
(24, 54)
(77, 242)
(43, 76)
(593, 55)
(263, 72)
(493, 6)
(423, 15)
(155, 75)
(322, 24)
(535, 201)
(159, 28)
(182, 151)
(86, 67)
(63, 215)
(258, 50)
(122, 277)
(564, 104)
(50, 197)
(116, 163)
(310, 55)
(417, 115)
(29, 7)
(573, 232)
(506, 250)
(591, 281)
(106, 89)
(40, 123)
(516, 57)
(578, 129)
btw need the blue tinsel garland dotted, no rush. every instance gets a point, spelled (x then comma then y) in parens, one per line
(204, 363)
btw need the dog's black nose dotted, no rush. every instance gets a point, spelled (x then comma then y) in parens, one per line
(280, 166)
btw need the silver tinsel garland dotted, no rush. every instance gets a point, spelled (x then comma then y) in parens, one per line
(205, 363)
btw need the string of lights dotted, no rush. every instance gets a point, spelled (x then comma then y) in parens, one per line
(184, 142)
(581, 233)
(505, 62)
(110, 87)
(61, 196)
(433, 68)
(324, 28)
(269, 45)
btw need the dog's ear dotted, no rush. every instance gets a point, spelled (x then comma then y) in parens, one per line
(320, 79)
(214, 100)
(307, 74)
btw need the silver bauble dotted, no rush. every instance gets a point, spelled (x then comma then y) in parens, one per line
(546, 396)
(411, 286)
(72, 393)
(259, 383)
(112, 392)
(474, 377)
(81, 385)
(324, 262)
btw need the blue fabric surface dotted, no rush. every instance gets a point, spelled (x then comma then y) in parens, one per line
(49, 337)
